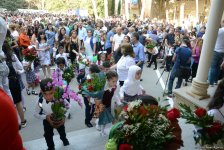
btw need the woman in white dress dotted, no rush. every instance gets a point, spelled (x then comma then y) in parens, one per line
(44, 53)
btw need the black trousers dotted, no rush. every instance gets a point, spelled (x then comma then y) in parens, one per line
(153, 60)
(168, 62)
(48, 134)
(89, 110)
(121, 83)
(81, 76)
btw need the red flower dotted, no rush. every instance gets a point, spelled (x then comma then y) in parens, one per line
(90, 88)
(215, 128)
(200, 112)
(173, 114)
(89, 80)
(124, 147)
(143, 111)
(125, 108)
(80, 86)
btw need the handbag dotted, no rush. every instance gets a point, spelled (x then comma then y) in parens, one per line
(183, 72)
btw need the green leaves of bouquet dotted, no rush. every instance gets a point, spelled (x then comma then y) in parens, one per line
(58, 106)
(208, 130)
(151, 46)
(145, 126)
(68, 74)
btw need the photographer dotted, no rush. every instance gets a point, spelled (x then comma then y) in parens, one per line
(181, 58)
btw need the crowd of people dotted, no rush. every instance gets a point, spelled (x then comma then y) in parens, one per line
(121, 48)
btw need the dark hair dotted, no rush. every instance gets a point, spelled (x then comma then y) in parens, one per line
(128, 50)
(94, 68)
(60, 60)
(135, 34)
(8, 34)
(38, 37)
(8, 51)
(60, 36)
(186, 40)
(111, 74)
(49, 25)
(129, 39)
(44, 85)
(218, 98)
(148, 100)
(106, 64)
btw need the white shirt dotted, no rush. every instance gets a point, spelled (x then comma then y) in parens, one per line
(217, 115)
(123, 65)
(17, 65)
(46, 109)
(15, 34)
(82, 33)
(117, 39)
(219, 45)
(63, 55)
(87, 45)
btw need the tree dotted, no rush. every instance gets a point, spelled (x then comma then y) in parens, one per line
(94, 8)
(12, 5)
(126, 9)
(105, 8)
(142, 10)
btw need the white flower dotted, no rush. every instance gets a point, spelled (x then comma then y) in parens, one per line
(134, 104)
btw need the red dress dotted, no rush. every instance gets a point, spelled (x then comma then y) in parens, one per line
(9, 133)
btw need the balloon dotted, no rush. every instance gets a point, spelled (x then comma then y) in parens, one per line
(94, 58)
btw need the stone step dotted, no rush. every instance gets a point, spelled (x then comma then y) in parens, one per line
(84, 139)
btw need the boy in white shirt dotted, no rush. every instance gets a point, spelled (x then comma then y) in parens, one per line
(62, 54)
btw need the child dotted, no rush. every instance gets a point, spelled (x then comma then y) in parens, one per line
(216, 107)
(102, 55)
(30, 77)
(62, 54)
(44, 113)
(132, 88)
(110, 92)
(81, 65)
(154, 54)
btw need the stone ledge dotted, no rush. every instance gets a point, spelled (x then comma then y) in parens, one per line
(182, 96)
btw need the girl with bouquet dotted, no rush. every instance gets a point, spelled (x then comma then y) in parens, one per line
(110, 95)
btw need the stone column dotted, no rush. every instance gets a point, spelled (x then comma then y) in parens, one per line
(199, 84)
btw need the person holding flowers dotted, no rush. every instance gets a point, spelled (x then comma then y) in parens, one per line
(45, 111)
(30, 54)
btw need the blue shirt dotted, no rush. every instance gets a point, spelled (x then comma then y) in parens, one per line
(108, 43)
(182, 56)
(139, 52)
(154, 37)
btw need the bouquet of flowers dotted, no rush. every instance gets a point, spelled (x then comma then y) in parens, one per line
(84, 61)
(208, 131)
(30, 54)
(94, 86)
(68, 74)
(151, 45)
(61, 95)
(144, 127)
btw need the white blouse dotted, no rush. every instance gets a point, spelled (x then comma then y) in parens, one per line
(123, 65)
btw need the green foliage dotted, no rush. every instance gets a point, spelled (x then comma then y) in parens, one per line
(68, 74)
(12, 5)
(191, 118)
(58, 110)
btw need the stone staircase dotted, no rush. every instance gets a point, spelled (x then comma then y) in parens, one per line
(85, 139)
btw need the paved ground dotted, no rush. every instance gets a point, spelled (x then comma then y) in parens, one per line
(34, 129)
